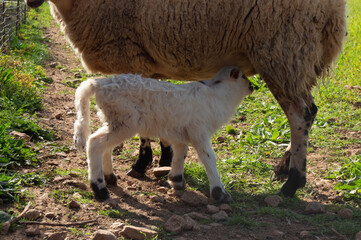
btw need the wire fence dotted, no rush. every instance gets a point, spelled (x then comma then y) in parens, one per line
(12, 14)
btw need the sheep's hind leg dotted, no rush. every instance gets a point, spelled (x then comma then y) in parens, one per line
(209, 160)
(167, 154)
(144, 159)
(301, 113)
(176, 176)
(109, 176)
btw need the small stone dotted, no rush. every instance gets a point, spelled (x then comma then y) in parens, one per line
(57, 236)
(315, 207)
(59, 116)
(77, 195)
(137, 233)
(215, 224)
(50, 215)
(278, 234)
(305, 235)
(32, 230)
(225, 207)
(358, 236)
(157, 199)
(60, 178)
(32, 214)
(161, 171)
(198, 216)
(53, 64)
(104, 235)
(19, 135)
(162, 189)
(273, 201)
(220, 216)
(189, 223)
(117, 225)
(174, 224)
(212, 209)
(221, 139)
(73, 204)
(194, 199)
(345, 213)
(76, 183)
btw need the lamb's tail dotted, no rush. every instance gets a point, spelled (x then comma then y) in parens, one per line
(82, 106)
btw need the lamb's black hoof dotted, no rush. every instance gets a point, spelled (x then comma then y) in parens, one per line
(295, 181)
(110, 179)
(135, 174)
(177, 182)
(220, 196)
(100, 194)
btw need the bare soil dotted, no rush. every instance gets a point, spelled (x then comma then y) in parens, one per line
(59, 116)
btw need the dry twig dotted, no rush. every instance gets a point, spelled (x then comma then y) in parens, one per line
(6, 225)
(57, 224)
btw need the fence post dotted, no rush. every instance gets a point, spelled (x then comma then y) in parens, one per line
(3, 34)
(17, 17)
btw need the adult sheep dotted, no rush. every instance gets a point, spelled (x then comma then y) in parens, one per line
(289, 43)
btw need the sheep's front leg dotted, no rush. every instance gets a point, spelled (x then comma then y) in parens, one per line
(300, 113)
(167, 154)
(176, 176)
(209, 160)
(109, 176)
(144, 159)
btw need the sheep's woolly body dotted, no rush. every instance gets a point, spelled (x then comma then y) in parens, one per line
(289, 43)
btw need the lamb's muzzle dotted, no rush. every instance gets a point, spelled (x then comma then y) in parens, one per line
(129, 104)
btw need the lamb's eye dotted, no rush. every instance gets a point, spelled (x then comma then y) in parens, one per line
(218, 81)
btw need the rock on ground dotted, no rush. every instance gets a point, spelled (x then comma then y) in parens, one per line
(57, 236)
(32, 230)
(194, 199)
(225, 207)
(76, 183)
(161, 171)
(358, 236)
(32, 214)
(315, 207)
(137, 233)
(345, 213)
(212, 209)
(178, 223)
(104, 235)
(220, 216)
(273, 201)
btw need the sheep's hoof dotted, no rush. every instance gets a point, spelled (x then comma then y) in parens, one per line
(100, 194)
(177, 182)
(295, 181)
(220, 196)
(111, 179)
(135, 174)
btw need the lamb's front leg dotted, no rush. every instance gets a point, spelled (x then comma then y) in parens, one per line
(208, 158)
(176, 176)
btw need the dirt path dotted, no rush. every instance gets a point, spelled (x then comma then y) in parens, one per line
(142, 203)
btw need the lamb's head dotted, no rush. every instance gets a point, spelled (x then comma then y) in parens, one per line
(230, 80)
(34, 3)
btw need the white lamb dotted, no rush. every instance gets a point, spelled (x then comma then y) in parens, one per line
(180, 114)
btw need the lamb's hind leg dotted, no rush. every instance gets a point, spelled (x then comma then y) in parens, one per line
(109, 176)
(176, 176)
(98, 146)
(300, 113)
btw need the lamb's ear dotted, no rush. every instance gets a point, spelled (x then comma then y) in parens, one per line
(234, 73)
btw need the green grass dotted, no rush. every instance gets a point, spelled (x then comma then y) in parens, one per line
(21, 81)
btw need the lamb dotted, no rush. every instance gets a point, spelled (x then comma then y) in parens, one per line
(288, 43)
(129, 104)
